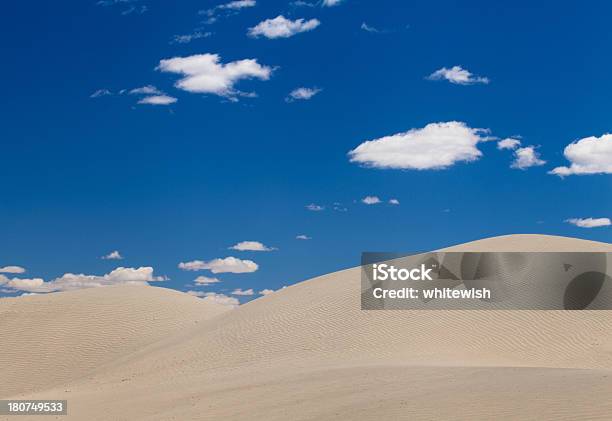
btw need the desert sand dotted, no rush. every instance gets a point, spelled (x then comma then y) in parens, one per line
(306, 352)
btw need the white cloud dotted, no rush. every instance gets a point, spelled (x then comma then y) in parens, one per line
(205, 280)
(370, 200)
(508, 143)
(526, 157)
(436, 146)
(187, 38)
(590, 222)
(251, 246)
(331, 3)
(158, 100)
(302, 94)
(216, 298)
(458, 76)
(71, 281)
(241, 292)
(100, 92)
(591, 155)
(368, 28)
(394, 202)
(146, 90)
(113, 255)
(266, 292)
(12, 269)
(228, 264)
(203, 73)
(281, 27)
(238, 4)
(303, 237)
(315, 208)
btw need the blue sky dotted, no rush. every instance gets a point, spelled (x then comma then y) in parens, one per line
(233, 158)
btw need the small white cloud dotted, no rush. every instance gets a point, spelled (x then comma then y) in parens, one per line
(251, 246)
(331, 3)
(591, 155)
(394, 202)
(158, 100)
(525, 158)
(303, 237)
(281, 27)
(203, 73)
(302, 94)
(315, 208)
(187, 38)
(241, 292)
(458, 76)
(100, 92)
(216, 298)
(370, 200)
(302, 3)
(508, 143)
(226, 265)
(589, 222)
(266, 292)
(146, 90)
(205, 280)
(433, 147)
(12, 269)
(113, 255)
(368, 28)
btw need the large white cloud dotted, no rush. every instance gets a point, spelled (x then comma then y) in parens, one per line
(71, 281)
(204, 73)
(281, 27)
(12, 269)
(458, 76)
(435, 146)
(591, 155)
(227, 265)
(251, 246)
(590, 222)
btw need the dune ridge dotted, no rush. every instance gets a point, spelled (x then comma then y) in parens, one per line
(310, 352)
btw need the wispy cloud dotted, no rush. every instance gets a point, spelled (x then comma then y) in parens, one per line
(590, 222)
(303, 237)
(221, 265)
(315, 208)
(226, 9)
(100, 92)
(458, 76)
(204, 73)
(281, 27)
(591, 155)
(302, 94)
(368, 28)
(153, 96)
(187, 38)
(394, 202)
(433, 147)
(331, 3)
(129, 6)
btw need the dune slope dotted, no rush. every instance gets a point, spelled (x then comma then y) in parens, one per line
(309, 352)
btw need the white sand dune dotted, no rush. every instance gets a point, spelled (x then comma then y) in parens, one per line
(309, 352)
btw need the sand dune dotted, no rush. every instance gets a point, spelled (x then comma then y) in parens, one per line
(309, 352)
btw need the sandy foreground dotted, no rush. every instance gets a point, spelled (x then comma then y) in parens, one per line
(307, 352)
